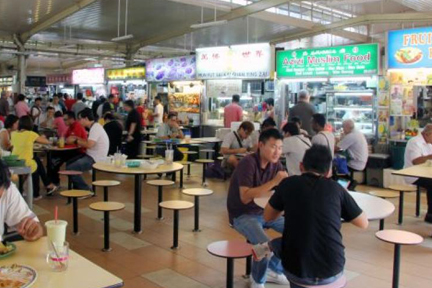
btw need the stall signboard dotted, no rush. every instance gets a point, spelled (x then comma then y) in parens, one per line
(331, 61)
(88, 76)
(131, 73)
(171, 69)
(410, 48)
(6, 80)
(35, 81)
(59, 78)
(250, 61)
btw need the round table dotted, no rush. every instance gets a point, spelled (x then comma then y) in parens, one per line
(375, 208)
(138, 173)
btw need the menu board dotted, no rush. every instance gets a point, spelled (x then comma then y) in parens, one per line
(126, 73)
(88, 76)
(223, 88)
(410, 48)
(331, 61)
(171, 69)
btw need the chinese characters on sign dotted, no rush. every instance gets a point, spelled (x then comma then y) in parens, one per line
(88, 76)
(59, 78)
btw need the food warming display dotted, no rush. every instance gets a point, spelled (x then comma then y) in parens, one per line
(184, 102)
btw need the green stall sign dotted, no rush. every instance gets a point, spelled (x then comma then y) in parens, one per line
(331, 61)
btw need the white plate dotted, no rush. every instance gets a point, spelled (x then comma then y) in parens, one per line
(24, 274)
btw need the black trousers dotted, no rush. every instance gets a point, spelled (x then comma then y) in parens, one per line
(427, 184)
(132, 149)
(39, 173)
(57, 160)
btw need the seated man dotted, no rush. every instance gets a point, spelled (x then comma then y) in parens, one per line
(313, 252)
(170, 130)
(47, 119)
(96, 146)
(256, 175)
(295, 146)
(14, 211)
(237, 142)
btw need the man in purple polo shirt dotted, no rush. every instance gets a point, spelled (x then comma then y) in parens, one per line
(255, 176)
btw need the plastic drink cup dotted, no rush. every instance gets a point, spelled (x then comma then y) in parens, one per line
(169, 156)
(58, 256)
(187, 138)
(56, 231)
(61, 142)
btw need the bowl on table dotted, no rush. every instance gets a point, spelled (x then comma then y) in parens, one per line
(133, 164)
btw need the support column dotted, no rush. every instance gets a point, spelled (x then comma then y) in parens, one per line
(22, 77)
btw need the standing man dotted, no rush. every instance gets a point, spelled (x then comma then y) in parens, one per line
(303, 110)
(109, 106)
(114, 130)
(36, 113)
(322, 137)
(233, 112)
(133, 128)
(21, 107)
(255, 176)
(79, 105)
(418, 151)
(97, 147)
(158, 112)
(4, 104)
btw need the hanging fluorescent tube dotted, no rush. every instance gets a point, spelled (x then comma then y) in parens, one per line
(208, 24)
(121, 38)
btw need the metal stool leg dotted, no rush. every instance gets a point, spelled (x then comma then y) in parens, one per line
(396, 266)
(69, 188)
(94, 179)
(181, 178)
(75, 215)
(381, 224)
(176, 228)
(106, 232)
(196, 212)
(160, 196)
(230, 273)
(189, 173)
(203, 175)
(418, 201)
(248, 267)
(105, 194)
(401, 203)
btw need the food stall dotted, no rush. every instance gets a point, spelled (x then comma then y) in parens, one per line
(60, 83)
(239, 69)
(409, 63)
(342, 82)
(127, 83)
(174, 80)
(35, 86)
(91, 83)
(6, 83)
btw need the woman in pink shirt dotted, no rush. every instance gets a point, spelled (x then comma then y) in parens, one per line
(59, 124)
(21, 107)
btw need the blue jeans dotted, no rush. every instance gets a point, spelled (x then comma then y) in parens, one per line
(252, 227)
(81, 163)
(296, 282)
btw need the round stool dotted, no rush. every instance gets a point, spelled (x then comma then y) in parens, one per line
(176, 205)
(106, 207)
(398, 238)
(204, 162)
(189, 153)
(75, 194)
(384, 194)
(69, 174)
(105, 184)
(196, 193)
(220, 158)
(208, 152)
(160, 184)
(230, 250)
(150, 148)
(402, 189)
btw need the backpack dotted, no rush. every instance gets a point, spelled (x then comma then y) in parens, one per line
(215, 170)
(341, 165)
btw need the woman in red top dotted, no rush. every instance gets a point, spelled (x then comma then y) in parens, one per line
(142, 110)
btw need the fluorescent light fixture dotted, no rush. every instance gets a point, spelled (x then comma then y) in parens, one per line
(208, 24)
(121, 38)
(305, 80)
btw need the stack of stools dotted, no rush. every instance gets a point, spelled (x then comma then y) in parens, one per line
(105, 184)
(70, 173)
(75, 194)
(204, 162)
(160, 184)
(176, 206)
(107, 207)
(196, 193)
(384, 194)
(402, 189)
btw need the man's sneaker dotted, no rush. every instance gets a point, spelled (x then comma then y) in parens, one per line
(37, 198)
(260, 251)
(52, 190)
(253, 284)
(273, 277)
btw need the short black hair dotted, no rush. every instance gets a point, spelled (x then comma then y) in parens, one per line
(10, 121)
(5, 175)
(109, 116)
(111, 96)
(247, 126)
(50, 108)
(236, 98)
(66, 96)
(87, 113)
(71, 114)
(80, 96)
(317, 159)
(291, 128)
(21, 97)
(270, 133)
(270, 101)
(172, 114)
(158, 98)
(296, 120)
(56, 95)
(268, 123)
(25, 123)
(319, 119)
(58, 114)
(38, 99)
(129, 103)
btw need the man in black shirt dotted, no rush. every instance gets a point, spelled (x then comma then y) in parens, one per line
(311, 248)
(115, 133)
(133, 128)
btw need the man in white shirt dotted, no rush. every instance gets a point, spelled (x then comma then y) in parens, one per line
(294, 147)
(14, 211)
(97, 146)
(237, 142)
(56, 103)
(354, 142)
(417, 152)
(158, 112)
(36, 113)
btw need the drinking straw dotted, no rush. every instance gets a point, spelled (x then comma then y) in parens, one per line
(56, 214)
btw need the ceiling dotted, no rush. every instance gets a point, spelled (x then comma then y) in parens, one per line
(65, 34)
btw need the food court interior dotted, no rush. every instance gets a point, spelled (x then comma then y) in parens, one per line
(153, 211)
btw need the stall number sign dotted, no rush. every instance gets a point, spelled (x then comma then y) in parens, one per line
(333, 61)
(236, 62)
(410, 48)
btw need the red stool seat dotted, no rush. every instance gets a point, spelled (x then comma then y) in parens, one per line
(70, 173)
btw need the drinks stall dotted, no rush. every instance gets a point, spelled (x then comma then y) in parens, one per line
(127, 83)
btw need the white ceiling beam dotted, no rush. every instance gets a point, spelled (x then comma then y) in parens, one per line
(357, 21)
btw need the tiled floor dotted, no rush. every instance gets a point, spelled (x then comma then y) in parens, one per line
(146, 260)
